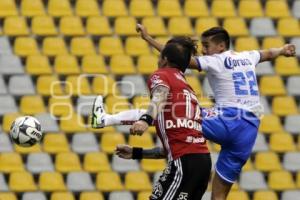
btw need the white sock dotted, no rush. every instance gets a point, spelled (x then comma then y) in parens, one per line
(127, 117)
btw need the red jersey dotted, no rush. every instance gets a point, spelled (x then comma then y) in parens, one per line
(179, 124)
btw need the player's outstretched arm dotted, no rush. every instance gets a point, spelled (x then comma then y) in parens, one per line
(150, 40)
(129, 152)
(287, 50)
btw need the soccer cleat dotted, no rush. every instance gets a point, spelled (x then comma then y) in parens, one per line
(99, 113)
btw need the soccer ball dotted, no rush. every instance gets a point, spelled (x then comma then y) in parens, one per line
(26, 131)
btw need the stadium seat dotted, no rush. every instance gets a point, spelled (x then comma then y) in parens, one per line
(11, 162)
(246, 44)
(109, 141)
(5, 46)
(193, 81)
(47, 121)
(15, 26)
(132, 85)
(250, 9)
(121, 165)
(287, 66)
(122, 64)
(30, 8)
(144, 141)
(79, 181)
(295, 41)
(13, 65)
(104, 85)
(290, 194)
(291, 161)
(5, 143)
(84, 143)
(114, 8)
(60, 106)
(147, 64)
(281, 180)
(8, 8)
(25, 46)
(220, 8)
(48, 85)
(71, 26)
(81, 46)
(3, 184)
(96, 162)
(93, 64)
(84, 104)
(141, 102)
(270, 123)
(125, 26)
(67, 162)
(169, 8)
(26, 150)
(180, 26)
(141, 8)
(292, 124)
(21, 182)
(62, 195)
(267, 161)
(135, 46)
(86, 8)
(143, 195)
(55, 143)
(195, 8)
(108, 181)
(277, 9)
(155, 26)
(236, 26)
(206, 88)
(29, 108)
(8, 196)
(109, 46)
(124, 195)
(202, 24)
(38, 65)
(73, 123)
(39, 162)
(272, 42)
(264, 68)
(252, 180)
(77, 85)
(7, 104)
(283, 106)
(260, 143)
(91, 195)
(262, 27)
(3, 89)
(137, 181)
(59, 8)
(53, 46)
(238, 195)
(8, 119)
(265, 195)
(282, 142)
(66, 64)
(151, 165)
(21, 85)
(296, 8)
(34, 196)
(271, 86)
(43, 26)
(292, 85)
(288, 27)
(98, 25)
(51, 181)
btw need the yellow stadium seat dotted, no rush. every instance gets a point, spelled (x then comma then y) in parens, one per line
(137, 181)
(288, 27)
(195, 8)
(54, 143)
(281, 180)
(98, 26)
(93, 64)
(220, 8)
(15, 26)
(267, 161)
(155, 25)
(85, 8)
(237, 195)
(202, 24)
(31, 8)
(141, 102)
(43, 25)
(8, 196)
(195, 84)
(29, 108)
(26, 150)
(141, 8)
(115, 104)
(81, 46)
(153, 165)
(147, 64)
(282, 142)
(8, 119)
(122, 64)
(236, 26)
(108, 181)
(287, 66)
(277, 9)
(11, 162)
(73, 123)
(60, 106)
(104, 85)
(21, 182)
(67, 162)
(248, 165)
(125, 26)
(71, 26)
(8, 8)
(66, 64)
(49, 85)
(96, 162)
(58, 8)
(144, 141)
(205, 102)
(246, 44)
(285, 105)
(62, 195)
(144, 195)
(78, 85)
(135, 46)
(180, 26)
(272, 42)
(51, 181)
(271, 86)
(114, 8)
(38, 65)
(91, 195)
(250, 9)
(169, 8)
(110, 46)
(109, 141)
(53, 46)
(298, 179)
(26, 46)
(270, 124)
(265, 195)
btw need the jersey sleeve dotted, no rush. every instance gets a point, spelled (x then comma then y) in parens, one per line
(157, 79)
(207, 63)
(254, 56)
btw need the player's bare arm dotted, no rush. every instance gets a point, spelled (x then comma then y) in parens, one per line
(158, 99)
(287, 50)
(127, 152)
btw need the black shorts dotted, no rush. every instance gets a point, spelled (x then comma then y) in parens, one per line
(185, 178)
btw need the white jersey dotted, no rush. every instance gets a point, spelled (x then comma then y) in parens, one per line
(232, 78)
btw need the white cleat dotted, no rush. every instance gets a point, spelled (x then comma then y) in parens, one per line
(99, 113)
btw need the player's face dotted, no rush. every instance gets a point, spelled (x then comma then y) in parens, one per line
(209, 47)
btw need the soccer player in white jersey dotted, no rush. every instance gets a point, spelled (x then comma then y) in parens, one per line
(233, 122)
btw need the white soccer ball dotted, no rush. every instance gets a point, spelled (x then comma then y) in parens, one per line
(26, 131)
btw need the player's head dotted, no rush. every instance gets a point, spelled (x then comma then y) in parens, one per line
(215, 40)
(177, 53)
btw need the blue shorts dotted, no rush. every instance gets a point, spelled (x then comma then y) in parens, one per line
(235, 130)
